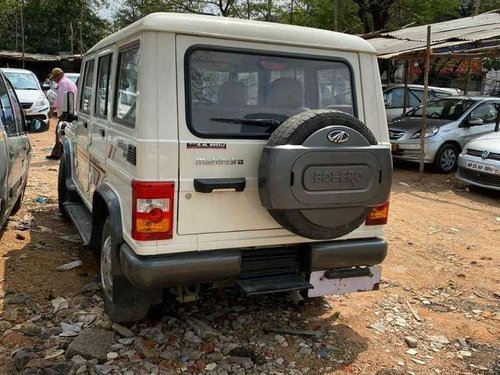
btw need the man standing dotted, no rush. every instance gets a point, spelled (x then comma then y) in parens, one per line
(64, 85)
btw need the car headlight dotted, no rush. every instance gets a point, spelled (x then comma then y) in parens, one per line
(430, 132)
(41, 103)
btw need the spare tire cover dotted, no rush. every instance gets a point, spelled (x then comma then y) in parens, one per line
(321, 172)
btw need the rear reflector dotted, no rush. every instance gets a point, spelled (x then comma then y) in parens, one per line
(152, 210)
(378, 215)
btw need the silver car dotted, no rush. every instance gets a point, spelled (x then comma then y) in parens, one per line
(15, 151)
(451, 123)
(479, 162)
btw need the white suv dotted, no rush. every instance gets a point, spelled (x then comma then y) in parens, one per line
(207, 150)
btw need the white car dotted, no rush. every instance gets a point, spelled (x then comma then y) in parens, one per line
(394, 97)
(211, 151)
(479, 162)
(29, 92)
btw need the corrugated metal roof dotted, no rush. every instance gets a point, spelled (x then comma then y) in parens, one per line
(14, 55)
(443, 34)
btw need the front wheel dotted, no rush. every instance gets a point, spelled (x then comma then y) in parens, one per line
(446, 158)
(118, 314)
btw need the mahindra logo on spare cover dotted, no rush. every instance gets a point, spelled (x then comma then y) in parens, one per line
(338, 136)
(485, 154)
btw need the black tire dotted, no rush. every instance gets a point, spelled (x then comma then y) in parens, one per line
(62, 189)
(296, 130)
(446, 158)
(116, 313)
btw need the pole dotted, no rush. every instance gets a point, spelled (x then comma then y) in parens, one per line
(22, 34)
(335, 15)
(424, 101)
(467, 77)
(478, 4)
(81, 31)
(405, 95)
(72, 35)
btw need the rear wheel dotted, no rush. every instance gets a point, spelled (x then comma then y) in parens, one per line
(109, 249)
(446, 158)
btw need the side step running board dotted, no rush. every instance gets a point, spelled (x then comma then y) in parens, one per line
(82, 219)
(272, 284)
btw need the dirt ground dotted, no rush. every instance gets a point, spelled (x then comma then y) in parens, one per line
(440, 283)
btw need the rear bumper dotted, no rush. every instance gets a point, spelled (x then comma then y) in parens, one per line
(202, 267)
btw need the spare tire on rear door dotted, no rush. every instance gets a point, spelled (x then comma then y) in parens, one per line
(322, 172)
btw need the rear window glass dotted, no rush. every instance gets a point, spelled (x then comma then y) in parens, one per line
(126, 91)
(248, 94)
(86, 98)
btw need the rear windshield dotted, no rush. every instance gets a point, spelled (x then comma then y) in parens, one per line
(248, 94)
(443, 108)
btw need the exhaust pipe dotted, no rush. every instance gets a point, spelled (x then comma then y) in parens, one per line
(296, 298)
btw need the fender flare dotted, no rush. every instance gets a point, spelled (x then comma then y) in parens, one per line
(67, 155)
(110, 198)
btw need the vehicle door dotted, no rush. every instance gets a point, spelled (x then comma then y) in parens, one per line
(11, 114)
(234, 95)
(78, 131)
(25, 150)
(393, 99)
(99, 122)
(487, 112)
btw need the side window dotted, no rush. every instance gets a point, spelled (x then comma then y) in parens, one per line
(394, 97)
(335, 87)
(126, 91)
(16, 109)
(103, 81)
(86, 98)
(487, 112)
(7, 113)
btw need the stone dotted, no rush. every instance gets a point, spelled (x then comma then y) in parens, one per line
(411, 341)
(81, 370)
(30, 329)
(153, 334)
(70, 330)
(305, 351)
(112, 355)
(91, 287)
(103, 369)
(126, 341)
(244, 362)
(22, 357)
(69, 266)
(379, 327)
(465, 353)
(207, 347)
(122, 331)
(411, 352)
(279, 339)
(91, 343)
(211, 366)
(201, 328)
(78, 360)
(279, 361)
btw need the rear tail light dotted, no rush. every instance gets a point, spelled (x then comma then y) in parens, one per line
(378, 215)
(152, 210)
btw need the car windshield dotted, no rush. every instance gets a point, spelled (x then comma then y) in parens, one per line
(23, 81)
(73, 77)
(443, 108)
(248, 94)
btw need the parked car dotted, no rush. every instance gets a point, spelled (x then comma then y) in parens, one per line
(29, 92)
(245, 173)
(479, 162)
(394, 97)
(451, 123)
(15, 151)
(50, 88)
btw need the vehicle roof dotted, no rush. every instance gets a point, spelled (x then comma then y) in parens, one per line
(238, 29)
(16, 70)
(414, 86)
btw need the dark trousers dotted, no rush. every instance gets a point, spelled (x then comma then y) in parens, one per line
(57, 150)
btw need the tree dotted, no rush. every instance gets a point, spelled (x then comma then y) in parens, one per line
(378, 10)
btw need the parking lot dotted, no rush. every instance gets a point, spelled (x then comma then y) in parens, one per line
(437, 311)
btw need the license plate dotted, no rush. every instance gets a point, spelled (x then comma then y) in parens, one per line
(323, 286)
(481, 167)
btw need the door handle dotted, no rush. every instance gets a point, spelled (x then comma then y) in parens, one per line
(102, 132)
(208, 185)
(85, 125)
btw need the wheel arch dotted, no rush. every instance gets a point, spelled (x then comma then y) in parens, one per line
(450, 142)
(105, 202)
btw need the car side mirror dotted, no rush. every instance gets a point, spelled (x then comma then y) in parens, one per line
(68, 106)
(45, 87)
(386, 103)
(37, 126)
(475, 121)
